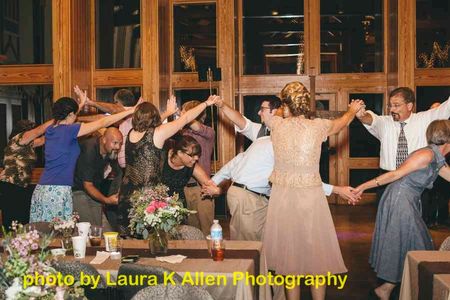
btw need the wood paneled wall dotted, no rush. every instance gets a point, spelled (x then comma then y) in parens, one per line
(74, 63)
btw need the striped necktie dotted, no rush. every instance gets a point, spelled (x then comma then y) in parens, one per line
(402, 147)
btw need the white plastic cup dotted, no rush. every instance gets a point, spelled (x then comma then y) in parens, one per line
(83, 229)
(79, 246)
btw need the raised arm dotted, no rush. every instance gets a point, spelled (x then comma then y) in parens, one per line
(87, 128)
(416, 161)
(165, 131)
(171, 108)
(236, 117)
(344, 121)
(90, 118)
(111, 108)
(33, 134)
(365, 117)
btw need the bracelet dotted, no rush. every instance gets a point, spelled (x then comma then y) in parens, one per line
(376, 181)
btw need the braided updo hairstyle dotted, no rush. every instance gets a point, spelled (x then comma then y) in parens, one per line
(295, 96)
(63, 107)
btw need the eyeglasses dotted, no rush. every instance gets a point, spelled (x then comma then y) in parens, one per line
(263, 108)
(395, 105)
(191, 155)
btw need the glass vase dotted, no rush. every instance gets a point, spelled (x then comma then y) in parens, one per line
(66, 239)
(158, 241)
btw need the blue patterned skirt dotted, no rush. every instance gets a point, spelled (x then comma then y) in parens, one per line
(51, 201)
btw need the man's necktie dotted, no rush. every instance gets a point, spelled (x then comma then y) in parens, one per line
(263, 131)
(402, 147)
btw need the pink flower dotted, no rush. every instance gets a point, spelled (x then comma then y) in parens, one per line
(151, 209)
(162, 204)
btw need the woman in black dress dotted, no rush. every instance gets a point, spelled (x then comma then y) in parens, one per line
(143, 151)
(180, 165)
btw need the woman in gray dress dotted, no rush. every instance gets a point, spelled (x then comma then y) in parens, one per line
(399, 227)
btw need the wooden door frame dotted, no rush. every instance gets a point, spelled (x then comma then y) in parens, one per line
(333, 159)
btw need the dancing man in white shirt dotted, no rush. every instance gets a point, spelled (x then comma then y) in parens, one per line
(403, 131)
(249, 172)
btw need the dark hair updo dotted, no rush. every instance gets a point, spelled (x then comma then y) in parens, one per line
(63, 107)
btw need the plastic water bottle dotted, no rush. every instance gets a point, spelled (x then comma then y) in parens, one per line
(217, 243)
(216, 231)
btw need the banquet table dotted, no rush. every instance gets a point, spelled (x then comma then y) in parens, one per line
(239, 259)
(410, 282)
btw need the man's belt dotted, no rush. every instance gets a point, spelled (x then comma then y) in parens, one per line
(243, 186)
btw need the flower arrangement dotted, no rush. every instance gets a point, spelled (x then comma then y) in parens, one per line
(65, 227)
(27, 255)
(153, 209)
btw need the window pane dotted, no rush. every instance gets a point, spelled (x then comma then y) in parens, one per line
(32, 102)
(432, 33)
(107, 94)
(25, 32)
(273, 37)
(194, 37)
(362, 143)
(118, 34)
(351, 36)
(212, 117)
(427, 95)
(358, 176)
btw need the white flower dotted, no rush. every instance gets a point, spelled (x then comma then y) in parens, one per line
(13, 292)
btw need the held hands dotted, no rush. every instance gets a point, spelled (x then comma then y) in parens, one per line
(357, 192)
(112, 200)
(219, 103)
(355, 106)
(171, 106)
(210, 189)
(213, 99)
(82, 97)
(348, 193)
(362, 112)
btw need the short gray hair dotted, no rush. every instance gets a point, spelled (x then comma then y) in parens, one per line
(438, 132)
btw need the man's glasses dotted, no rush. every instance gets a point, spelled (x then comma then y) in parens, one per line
(261, 108)
(395, 105)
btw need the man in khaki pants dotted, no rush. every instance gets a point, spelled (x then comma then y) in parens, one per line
(248, 195)
(204, 206)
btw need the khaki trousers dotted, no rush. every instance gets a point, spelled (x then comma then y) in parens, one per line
(248, 214)
(204, 217)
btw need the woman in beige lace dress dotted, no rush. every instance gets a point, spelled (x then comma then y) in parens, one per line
(299, 237)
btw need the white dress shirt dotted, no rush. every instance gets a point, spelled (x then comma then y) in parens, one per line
(254, 166)
(385, 129)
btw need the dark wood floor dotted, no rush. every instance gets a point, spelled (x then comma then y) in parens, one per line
(354, 226)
